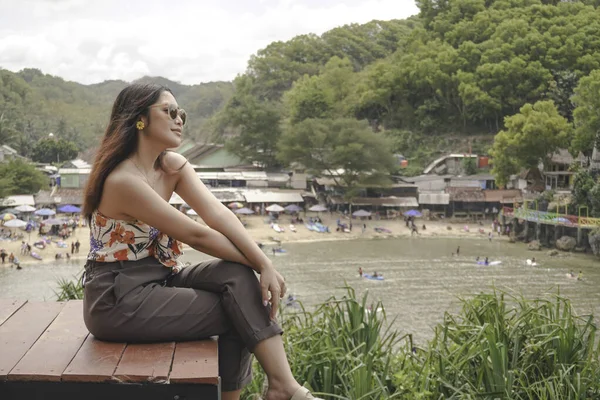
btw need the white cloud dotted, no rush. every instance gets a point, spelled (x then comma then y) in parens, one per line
(186, 41)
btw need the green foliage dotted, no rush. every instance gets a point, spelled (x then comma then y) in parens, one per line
(594, 200)
(33, 104)
(499, 346)
(587, 114)
(469, 165)
(460, 68)
(51, 150)
(325, 146)
(20, 177)
(531, 137)
(537, 349)
(258, 123)
(583, 182)
(344, 349)
(69, 289)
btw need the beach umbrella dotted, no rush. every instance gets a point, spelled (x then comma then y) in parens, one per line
(45, 212)
(191, 211)
(244, 210)
(293, 208)
(318, 208)
(7, 216)
(275, 208)
(15, 223)
(361, 213)
(413, 213)
(54, 221)
(25, 208)
(235, 204)
(69, 208)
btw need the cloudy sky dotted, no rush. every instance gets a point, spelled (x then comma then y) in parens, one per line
(189, 41)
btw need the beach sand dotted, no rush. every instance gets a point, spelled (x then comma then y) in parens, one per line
(262, 232)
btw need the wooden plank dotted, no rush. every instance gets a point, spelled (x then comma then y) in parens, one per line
(196, 362)
(22, 329)
(145, 363)
(8, 308)
(95, 361)
(54, 350)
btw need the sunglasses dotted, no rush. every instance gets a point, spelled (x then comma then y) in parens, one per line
(173, 111)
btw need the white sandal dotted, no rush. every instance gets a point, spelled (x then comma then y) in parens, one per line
(304, 394)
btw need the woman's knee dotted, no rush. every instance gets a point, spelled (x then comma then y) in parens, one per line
(238, 271)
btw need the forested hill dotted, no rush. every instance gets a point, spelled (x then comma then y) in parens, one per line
(454, 72)
(33, 104)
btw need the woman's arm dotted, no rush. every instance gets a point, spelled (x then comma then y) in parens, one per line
(217, 216)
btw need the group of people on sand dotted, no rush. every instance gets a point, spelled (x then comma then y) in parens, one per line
(12, 259)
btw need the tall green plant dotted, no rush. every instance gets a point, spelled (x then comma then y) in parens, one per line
(344, 349)
(538, 349)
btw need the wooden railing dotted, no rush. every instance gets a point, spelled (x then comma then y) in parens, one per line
(551, 218)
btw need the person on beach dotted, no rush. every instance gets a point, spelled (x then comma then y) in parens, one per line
(136, 289)
(360, 271)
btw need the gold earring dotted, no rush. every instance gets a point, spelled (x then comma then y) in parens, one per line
(140, 125)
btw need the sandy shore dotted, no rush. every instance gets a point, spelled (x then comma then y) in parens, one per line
(262, 232)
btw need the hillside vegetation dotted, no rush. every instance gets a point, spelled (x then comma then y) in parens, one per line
(447, 78)
(33, 104)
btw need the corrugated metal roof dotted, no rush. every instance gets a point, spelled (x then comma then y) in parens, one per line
(74, 171)
(386, 201)
(272, 197)
(503, 196)
(434, 198)
(18, 200)
(466, 194)
(436, 162)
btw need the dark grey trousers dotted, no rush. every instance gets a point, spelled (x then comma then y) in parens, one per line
(140, 301)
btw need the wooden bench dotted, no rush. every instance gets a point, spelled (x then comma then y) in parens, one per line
(46, 352)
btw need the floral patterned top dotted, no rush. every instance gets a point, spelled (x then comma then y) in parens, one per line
(119, 240)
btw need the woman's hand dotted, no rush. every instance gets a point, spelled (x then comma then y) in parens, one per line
(272, 282)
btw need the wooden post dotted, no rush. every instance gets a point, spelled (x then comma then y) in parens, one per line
(538, 231)
(579, 237)
(526, 231)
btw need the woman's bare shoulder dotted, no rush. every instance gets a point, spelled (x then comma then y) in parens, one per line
(174, 161)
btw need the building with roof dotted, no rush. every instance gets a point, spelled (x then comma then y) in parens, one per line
(73, 178)
(556, 169)
(18, 200)
(7, 153)
(449, 164)
(210, 156)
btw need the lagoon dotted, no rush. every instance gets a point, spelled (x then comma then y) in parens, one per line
(422, 277)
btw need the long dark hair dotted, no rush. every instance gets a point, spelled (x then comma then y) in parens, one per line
(120, 138)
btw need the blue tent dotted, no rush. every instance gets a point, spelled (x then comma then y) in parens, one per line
(413, 213)
(69, 209)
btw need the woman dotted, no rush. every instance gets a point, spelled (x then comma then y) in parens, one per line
(136, 290)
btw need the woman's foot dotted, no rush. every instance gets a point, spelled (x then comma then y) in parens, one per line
(282, 392)
(303, 394)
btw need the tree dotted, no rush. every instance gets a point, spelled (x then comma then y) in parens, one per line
(19, 177)
(469, 165)
(345, 149)
(7, 132)
(258, 124)
(531, 136)
(586, 115)
(50, 150)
